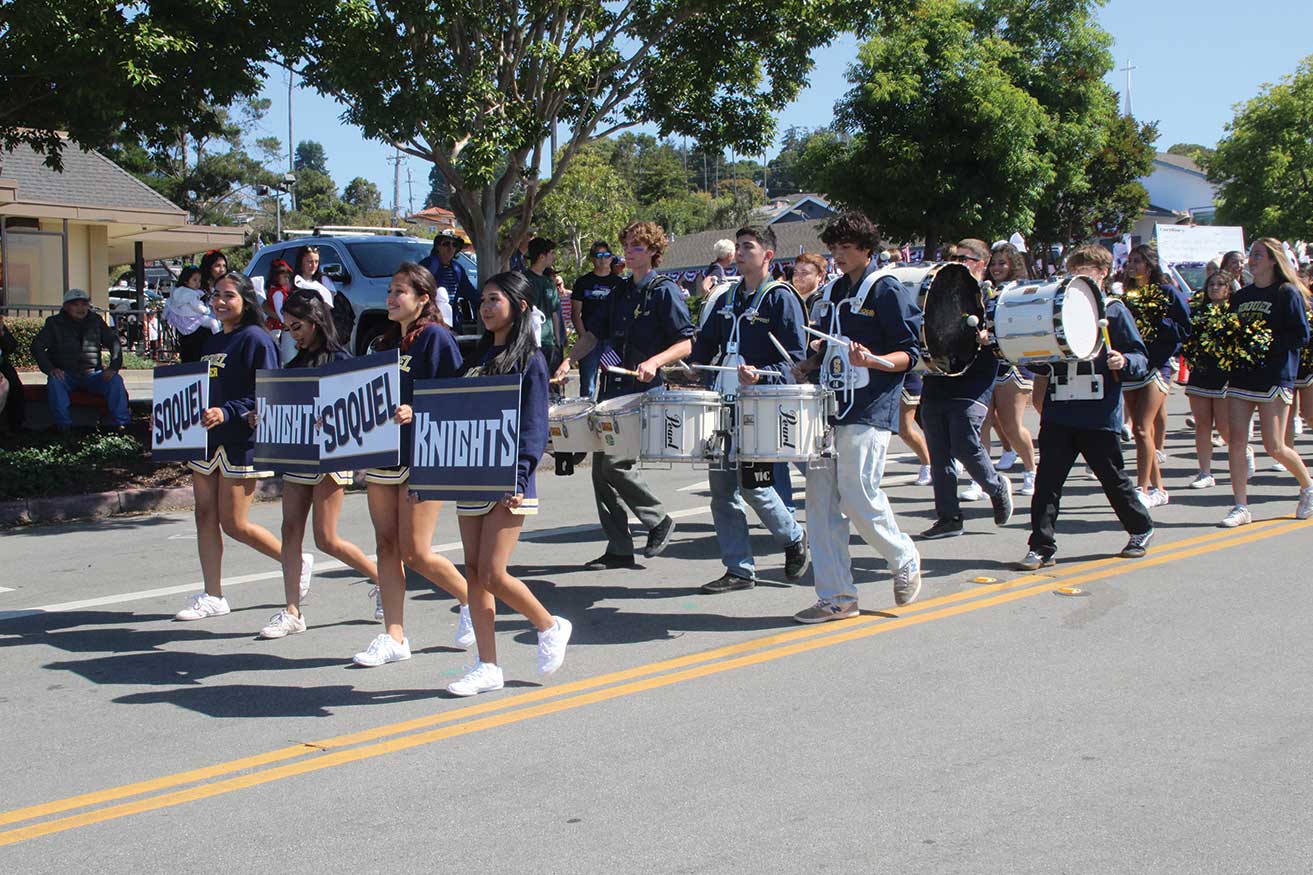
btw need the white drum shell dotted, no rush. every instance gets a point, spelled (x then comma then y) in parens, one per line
(569, 428)
(1052, 322)
(679, 425)
(618, 423)
(779, 423)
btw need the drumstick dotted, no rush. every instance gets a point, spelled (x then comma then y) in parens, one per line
(882, 362)
(784, 353)
(611, 369)
(1107, 344)
(757, 371)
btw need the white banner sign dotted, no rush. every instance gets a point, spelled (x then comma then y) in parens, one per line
(1186, 244)
(357, 402)
(181, 394)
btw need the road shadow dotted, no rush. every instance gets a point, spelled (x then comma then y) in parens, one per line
(257, 700)
(181, 667)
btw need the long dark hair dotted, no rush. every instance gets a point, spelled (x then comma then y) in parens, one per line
(296, 264)
(424, 284)
(307, 306)
(1156, 277)
(520, 343)
(251, 311)
(207, 262)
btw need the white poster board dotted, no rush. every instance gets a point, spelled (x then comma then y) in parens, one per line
(1196, 244)
(181, 395)
(357, 401)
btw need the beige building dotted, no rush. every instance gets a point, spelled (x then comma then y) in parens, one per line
(65, 230)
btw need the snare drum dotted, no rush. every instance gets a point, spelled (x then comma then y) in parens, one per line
(776, 423)
(568, 428)
(679, 425)
(617, 422)
(1052, 322)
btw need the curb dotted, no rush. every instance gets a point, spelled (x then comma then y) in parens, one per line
(105, 504)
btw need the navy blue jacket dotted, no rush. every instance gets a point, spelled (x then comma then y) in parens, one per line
(1281, 308)
(463, 288)
(1172, 332)
(779, 313)
(975, 384)
(433, 355)
(639, 322)
(1100, 414)
(533, 420)
(889, 321)
(234, 357)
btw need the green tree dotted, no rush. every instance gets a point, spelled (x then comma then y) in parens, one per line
(685, 213)
(310, 156)
(592, 200)
(1263, 166)
(738, 198)
(1199, 154)
(652, 168)
(783, 173)
(362, 194)
(104, 71)
(317, 201)
(476, 86)
(439, 190)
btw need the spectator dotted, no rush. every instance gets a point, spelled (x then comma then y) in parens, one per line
(590, 293)
(189, 315)
(542, 255)
(214, 264)
(520, 257)
(808, 273)
(451, 274)
(11, 398)
(67, 349)
(618, 266)
(723, 253)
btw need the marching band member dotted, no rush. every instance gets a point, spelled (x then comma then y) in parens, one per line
(883, 323)
(1162, 316)
(647, 325)
(1274, 305)
(309, 322)
(1014, 384)
(403, 525)
(223, 486)
(490, 530)
(1089, 427)
(738, 333)
(952, 412)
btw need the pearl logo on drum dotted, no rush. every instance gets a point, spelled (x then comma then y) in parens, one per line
(674, 430)
(788, 428)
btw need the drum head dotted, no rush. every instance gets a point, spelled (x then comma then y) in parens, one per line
(570, 409)
(619, 404)
(1082, 308)
(953, 296)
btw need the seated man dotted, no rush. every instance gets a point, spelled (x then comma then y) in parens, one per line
(67, 349)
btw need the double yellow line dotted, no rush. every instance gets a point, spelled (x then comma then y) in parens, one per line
(301, 759)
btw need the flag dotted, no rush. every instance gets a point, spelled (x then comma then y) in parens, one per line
(609, 358)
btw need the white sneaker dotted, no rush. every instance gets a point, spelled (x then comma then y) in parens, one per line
(1249, 462)
(203, 605)
(1251, 429)
(1238, 516)
(382, 650)
(958, 469)
(1204, 480)
(1144, 498)
(1217, 440)
(1006, 461)
(1127, 434)
(307, 572)
(1278, 468)
(1299, 425)
(973, 492)
(1160, 457)
(1304, 510)
(377, 595)
(1158, 497)
(465, 630)
(923, 477)
(483, 678)
(283, 624)
(1028, 483)
(551, 645)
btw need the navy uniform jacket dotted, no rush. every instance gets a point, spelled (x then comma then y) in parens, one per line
(976, 383)
(639, 322)
(1173, 331)
(1281, 308)
(889, 321)
(533, 417)
(1100, 414)
(779, 313)
(234, 357)
(433, 355)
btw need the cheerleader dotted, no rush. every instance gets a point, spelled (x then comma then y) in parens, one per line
(223, 486)
(1304, 376)
(910, 430)
(403, 525)
(1274, 303)
(1206, 388)
(1014, 385)
(309, 322)
(490, 530)
(1162, 317)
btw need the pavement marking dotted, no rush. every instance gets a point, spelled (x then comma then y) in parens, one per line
(639, 679)
(320, 565)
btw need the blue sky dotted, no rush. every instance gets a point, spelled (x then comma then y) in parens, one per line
(1194, 60)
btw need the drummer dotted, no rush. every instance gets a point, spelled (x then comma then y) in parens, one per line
(738, 332)
(647, 325)
(885, 322)
(952, 410)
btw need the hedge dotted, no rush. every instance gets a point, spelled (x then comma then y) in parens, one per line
(39, 466)
(24, 330)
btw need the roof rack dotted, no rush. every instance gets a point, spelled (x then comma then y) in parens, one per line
(348, 230)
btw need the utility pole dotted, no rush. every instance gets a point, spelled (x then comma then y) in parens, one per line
(395, 161)
(291, 161)
(1127, 70)
(410, 188)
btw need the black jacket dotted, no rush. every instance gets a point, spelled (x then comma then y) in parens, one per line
(74, 346)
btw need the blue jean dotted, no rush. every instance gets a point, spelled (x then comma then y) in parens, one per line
(729, 514)
(784, 485)
(952, 431)
(112, 390)
(588, 372)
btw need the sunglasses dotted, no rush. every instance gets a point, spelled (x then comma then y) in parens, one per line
(604, 254)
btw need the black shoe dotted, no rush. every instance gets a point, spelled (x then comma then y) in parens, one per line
(728, 583)
(945, 527)
(1003, 504)
(659, 537)
(797, 559)
(611, 560)
(1137, 546)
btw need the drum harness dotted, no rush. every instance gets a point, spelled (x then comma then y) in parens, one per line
(848, 379)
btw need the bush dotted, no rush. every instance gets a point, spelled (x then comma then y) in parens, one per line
(134, 362)
(39, 466)
(24, 330)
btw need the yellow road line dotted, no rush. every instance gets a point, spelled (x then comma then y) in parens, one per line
(847, 631)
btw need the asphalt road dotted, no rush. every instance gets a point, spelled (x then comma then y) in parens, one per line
(1160, 722)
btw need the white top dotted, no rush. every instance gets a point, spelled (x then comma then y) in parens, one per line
(187, 311)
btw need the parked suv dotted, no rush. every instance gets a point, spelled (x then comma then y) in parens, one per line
(361, 266)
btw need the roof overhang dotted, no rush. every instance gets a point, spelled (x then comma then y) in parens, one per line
(173, 242)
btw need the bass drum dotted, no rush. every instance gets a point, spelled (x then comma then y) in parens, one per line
(949, 297)
(1053, 322)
